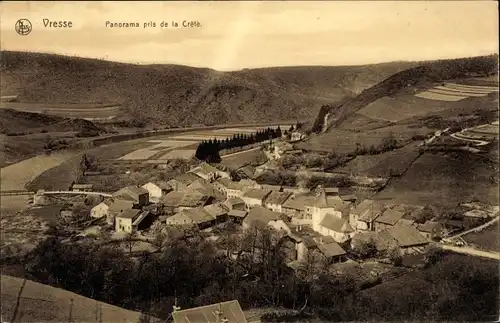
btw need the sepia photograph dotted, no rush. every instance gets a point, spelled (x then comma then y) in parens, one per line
(249, 161)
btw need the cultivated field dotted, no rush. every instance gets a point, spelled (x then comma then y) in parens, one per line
(445, 180)
(94, 112)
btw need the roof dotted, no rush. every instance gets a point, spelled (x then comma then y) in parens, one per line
(363, 206)
(271, 187)
(204, 168)
(130, 214)
(186, 178)
(229, 184)
(119, 205)
(232, 201)
(248, 182)
(390, 217)
(336, 224)
(429, 226)
(231, 311)
(256, 193)
(203, 186)
(215, 210)
(131, 191)
(331, 190)
(161, 184)
(298, 202)
(248, 171)
(198, 215)
(349, 197)
(193, 199)
(237, 213)
(375, 210)
(35, 302)
(172, 198)
(277, 197)
(262, 215)
(406, 236)
(331, 249)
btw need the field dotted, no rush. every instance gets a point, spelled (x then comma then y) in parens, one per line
(94, 112)
(445, 180)
(238, 160)
(382, 165)
(344, 141)
(488, 239)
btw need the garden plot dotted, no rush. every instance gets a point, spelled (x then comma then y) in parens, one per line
(162, 144)
(440, 97)
(139, 154)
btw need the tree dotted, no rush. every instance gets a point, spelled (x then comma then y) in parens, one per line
(367, 249)
(389, 143)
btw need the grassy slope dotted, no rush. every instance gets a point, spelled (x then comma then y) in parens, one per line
(186, 95)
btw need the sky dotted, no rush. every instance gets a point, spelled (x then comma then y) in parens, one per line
(237, 35)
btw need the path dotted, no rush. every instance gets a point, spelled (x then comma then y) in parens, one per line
(479, 228)
(477, 142)
(472, 251)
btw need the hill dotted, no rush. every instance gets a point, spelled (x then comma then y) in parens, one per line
(180, 95)
(423, 76)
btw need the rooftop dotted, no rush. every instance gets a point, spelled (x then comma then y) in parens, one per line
(172, 198)
(193, 199)
(256, 193)
(198, 215)
(298, 202)
(82, 185)
(429, 226)
(215, 210)
(232, 201)
(204, 168)
(262, 215)
(331, 249)
(130, 214)
(363, 206)
(406, 236)
(390, 217)
(120, 205)
(375, 210)
(277, 197)
(237, 213)
(186, 178)
(231, 311)
(336, 224)
(229, 184)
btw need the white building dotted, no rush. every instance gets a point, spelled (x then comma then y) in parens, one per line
(253, 197)
(275, 200)
(101, 209)
(156, 190)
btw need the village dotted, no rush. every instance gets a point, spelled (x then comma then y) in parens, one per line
(323, 225)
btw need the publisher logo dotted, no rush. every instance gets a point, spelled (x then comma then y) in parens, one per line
(23, 27)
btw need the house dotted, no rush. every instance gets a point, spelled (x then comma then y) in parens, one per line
(296, 136)
(129, 220)
(295, 206)
(205, 187)
(237, 216)
(253, 197)
(235, 203)
(275, 200)
(225, 312)
(181, 182)
(157, 190)
(172, 200)
(364, 214)
(139, 195)
(336, 227)
(217, 211)
(229, 188)
(260, 216)
(82, 187)
(295, 190)
(408, 219)
(431, 230)
(250, 183)
(209, 172)
(408, 239)
(117, 207)
(323, 205)
(101, 209)
(349, 198)
(388, 219)
(196, 216)
(331, 251)
(277, 188)
(193, 200)
(280, 148)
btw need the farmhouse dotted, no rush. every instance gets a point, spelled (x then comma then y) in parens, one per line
(129, 220)
(277, 188)
(138, 195)
(336, 227)
(364, 214)
(197, 216)
(101, 209)
(246, 172)
(253, 197)
(157, 190)
(172, 199)
(209, 172)
(193, 200)
(204, 187)
(235, 203)
(331, 251)
(275, 200)
(116, 208)
(296, 136)
(181, 182)
(408, 239)
(295, 206)
(431, 230)
(322, 205)
(217, 211)
(228, 312)
(280, 148)
(229, 188)
(82, 187)
(388, 219)
(250, 183)
(237, 216)
(260, 216)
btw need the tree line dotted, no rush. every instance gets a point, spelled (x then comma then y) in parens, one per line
(209, 150)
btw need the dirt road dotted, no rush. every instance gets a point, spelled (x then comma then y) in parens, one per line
(472, 251)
